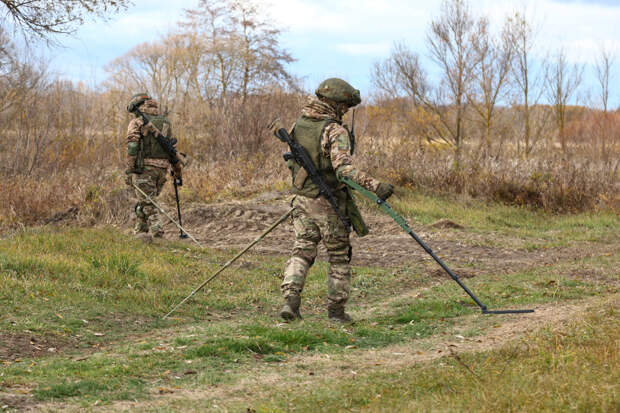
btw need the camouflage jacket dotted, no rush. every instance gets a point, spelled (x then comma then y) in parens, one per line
(336, 145)
(136, 129)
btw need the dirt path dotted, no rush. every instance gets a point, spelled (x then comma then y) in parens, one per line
(304, 371)
(233, 225)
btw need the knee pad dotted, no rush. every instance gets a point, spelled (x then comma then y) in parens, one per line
(140, 211)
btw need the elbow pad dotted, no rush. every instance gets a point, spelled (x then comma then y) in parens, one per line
(132, 148)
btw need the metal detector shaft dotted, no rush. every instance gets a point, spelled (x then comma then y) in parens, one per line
(229, 263)
(176, 194)
(403, 224)
(165, 213)
(446, 269)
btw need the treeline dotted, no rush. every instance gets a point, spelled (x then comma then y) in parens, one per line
(498, 123)
(486, 71)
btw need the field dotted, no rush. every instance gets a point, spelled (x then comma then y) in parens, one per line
(81, 325)
(501, 138)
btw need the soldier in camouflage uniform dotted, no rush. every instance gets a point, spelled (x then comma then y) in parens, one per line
(148, 164)
(320, 131)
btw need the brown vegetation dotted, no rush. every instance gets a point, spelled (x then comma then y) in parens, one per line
(221, 78)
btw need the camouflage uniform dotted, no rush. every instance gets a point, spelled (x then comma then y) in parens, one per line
(314, 218)
(153, 177)
(148, 219)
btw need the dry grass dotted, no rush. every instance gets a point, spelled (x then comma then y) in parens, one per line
(67, 158)
(552, 183)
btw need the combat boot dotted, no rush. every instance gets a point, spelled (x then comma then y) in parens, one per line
(290, 310)
(157, 230)
(336, 313)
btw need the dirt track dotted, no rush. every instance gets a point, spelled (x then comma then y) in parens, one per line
(232, 225)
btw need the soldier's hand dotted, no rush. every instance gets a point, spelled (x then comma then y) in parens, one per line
(274, 125)
(177, 173)
(128, 179)
(384, 191)
(184, 159)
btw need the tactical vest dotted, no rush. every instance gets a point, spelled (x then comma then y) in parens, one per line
(308, 133)
(150, 146)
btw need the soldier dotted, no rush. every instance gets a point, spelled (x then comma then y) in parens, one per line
(148, 162)
(320, 131)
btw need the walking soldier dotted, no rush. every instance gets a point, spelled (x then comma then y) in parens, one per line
(330, 146)
(148, 162)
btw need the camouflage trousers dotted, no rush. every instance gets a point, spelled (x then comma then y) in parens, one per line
(315, 220)
(151, 181)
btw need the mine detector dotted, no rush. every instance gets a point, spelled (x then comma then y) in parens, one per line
(299, 155)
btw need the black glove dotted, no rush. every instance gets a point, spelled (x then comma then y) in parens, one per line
(384, 191)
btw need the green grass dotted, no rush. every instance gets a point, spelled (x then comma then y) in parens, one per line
(486, 216)
(98, 297)
(575, 368)
(101, 276)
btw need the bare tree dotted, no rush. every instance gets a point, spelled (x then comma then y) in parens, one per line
(384, 77)
(20, 73)
(451, 48)
(493, 57)
(29, 120)
(7, 50)
(148, 66)
(184, 55)
(211, 25)
(263, 58)
(604, 64)
(528, 78)
(44, 18)
(240, 44)
(562, 84)
(400, 75)
(7, 67)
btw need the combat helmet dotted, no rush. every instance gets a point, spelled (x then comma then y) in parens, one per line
(137, 100)
(339, 91)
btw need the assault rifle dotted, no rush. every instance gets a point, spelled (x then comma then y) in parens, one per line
(299, 155)
(165, 142)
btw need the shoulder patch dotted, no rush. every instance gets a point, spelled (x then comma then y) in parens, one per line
(343, 142)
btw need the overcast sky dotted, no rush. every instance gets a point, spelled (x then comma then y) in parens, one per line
(344, 37)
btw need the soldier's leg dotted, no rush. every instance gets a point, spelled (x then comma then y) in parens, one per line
(142, 225)
(336, 240)
(307, 236)
(148, 184)
(155, 223)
